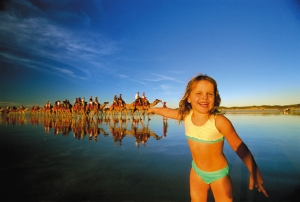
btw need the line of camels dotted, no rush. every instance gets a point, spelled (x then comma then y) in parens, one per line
(87, 110)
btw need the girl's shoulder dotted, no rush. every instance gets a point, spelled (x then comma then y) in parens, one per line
(221, 120)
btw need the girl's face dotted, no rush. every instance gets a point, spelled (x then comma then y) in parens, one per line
(202, 97)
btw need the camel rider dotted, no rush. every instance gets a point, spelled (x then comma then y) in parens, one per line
(120, 101)
(115, 102)
(82, 102)
(137, 98)
(96, 100)
(66, 103)
(78, 100)
(91, 100)
(144, 99)
(47, 104)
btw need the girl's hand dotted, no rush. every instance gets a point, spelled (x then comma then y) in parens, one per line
(257, 180)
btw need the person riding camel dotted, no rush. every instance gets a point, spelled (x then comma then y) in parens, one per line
(47, 105)
(57, 103)
(82, 101)
(115, 102)
(144, 99)
(96, 100)
(91, 100)
(138, 98)
(121, 101)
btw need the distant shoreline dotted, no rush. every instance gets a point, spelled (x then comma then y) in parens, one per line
(262, 109)
(265, 107)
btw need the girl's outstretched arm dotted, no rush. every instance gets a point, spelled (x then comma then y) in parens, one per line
(236, 143)
(164, 111)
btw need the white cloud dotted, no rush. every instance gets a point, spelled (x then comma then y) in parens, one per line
(163, 78)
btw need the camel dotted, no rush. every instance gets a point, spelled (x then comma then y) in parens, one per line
(79, 109)
(12, 111)
(95, 109)
(22, 110)
(101, 108)
(35, 110)
(119, 109)
(143, 108)
(63, 109)
(67, 109)
(129, 106)
(47, 111)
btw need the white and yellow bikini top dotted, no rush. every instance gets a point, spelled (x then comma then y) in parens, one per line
(207, 133)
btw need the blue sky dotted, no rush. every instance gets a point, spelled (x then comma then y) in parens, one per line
(57, 50)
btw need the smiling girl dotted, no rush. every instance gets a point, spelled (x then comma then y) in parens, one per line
(206, 129)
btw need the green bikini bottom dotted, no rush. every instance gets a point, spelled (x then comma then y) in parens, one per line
(209, 177)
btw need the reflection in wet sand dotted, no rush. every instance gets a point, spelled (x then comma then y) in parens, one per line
(14, 119)
(91, 129)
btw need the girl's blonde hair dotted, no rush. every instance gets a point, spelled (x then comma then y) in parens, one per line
(185, 106)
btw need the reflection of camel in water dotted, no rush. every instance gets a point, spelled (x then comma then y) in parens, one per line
(81, 128)
(103, 132)
(47, 122)
(118, 130)
(93, 131)
(61, 126)
(142, 133)
(141, 109)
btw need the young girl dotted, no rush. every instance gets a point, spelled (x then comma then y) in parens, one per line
(206, 130)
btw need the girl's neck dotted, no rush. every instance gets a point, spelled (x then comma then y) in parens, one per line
(200, 119)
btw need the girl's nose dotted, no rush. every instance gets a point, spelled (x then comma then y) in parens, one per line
(204, 96)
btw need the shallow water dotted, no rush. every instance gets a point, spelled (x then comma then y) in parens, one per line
(144, 161)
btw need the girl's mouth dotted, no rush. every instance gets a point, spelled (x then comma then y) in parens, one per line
(203, 104)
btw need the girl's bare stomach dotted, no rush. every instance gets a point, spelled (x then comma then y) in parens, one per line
(208, 157)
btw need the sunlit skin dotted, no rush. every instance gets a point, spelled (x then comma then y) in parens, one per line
(210, 157)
